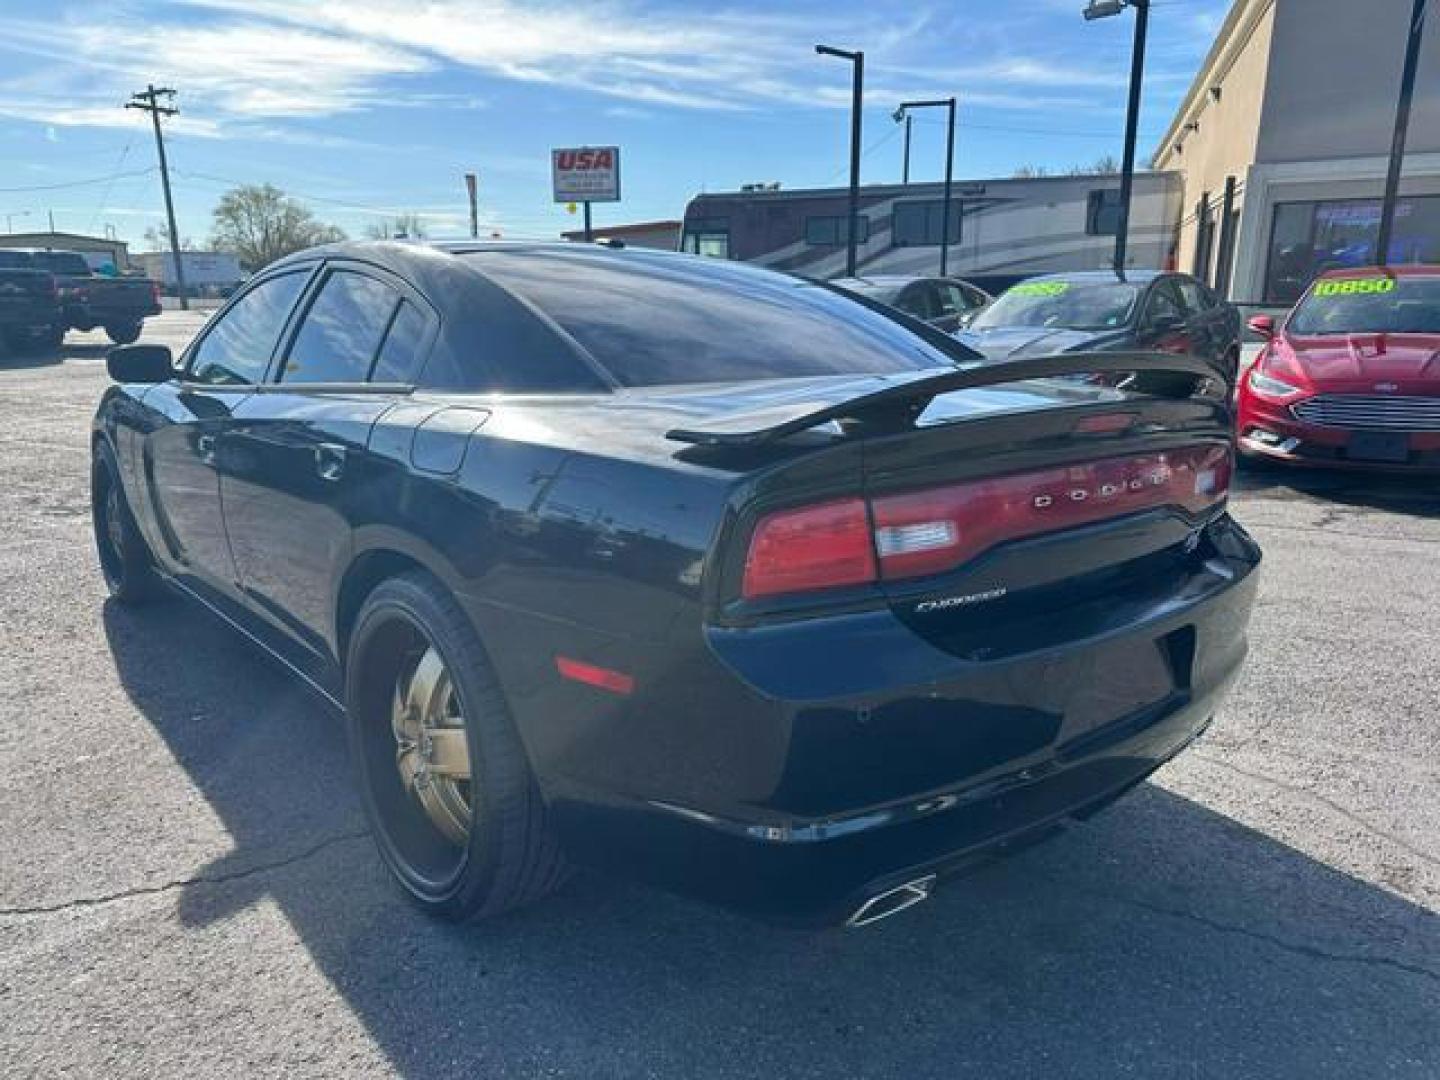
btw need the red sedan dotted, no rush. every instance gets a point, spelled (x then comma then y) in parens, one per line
(1353, 377)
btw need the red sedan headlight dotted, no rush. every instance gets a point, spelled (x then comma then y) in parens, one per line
(1273, 379)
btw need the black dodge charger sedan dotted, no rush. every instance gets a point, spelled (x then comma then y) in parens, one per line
(682, 568)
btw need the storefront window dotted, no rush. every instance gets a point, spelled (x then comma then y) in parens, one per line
(1308, 238)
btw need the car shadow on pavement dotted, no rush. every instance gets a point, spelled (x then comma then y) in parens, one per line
(1416, 494)
(1159, 939)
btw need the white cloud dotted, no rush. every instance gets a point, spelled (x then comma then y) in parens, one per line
(240, 63)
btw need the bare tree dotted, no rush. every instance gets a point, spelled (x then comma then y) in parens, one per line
(259, 223)
(1030, 172)
(407, 226)
(158, 239)
(1105, 165)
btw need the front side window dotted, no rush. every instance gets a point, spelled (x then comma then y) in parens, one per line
(236, 350)
(918, 223)
(341, 333)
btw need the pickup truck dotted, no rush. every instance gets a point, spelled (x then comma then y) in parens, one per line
(89, 299)
(29, 304)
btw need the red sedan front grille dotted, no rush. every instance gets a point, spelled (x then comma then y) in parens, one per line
(1383, 412)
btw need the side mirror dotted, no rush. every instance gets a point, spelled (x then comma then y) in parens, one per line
(1262, 326)
(140, 363)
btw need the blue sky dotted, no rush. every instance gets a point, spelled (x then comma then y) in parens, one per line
(368, 108)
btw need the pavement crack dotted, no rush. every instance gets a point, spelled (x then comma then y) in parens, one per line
(199, 879)
(1331, 804)
(1295, 948)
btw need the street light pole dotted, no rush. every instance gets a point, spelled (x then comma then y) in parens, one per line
(905, 169)
(1397, 142)
(857, 60)
(948, 104)
(1101, 9)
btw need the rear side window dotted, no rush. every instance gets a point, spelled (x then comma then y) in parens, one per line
(401, 354)
(15, 260)
(1192, 293)
(341, 334)
(656, 319)
(237, 349)
(62, 262)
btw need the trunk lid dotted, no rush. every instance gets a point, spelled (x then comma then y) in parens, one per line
(946, 476)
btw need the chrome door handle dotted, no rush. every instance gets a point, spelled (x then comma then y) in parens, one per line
(330, 461)
(205, 447)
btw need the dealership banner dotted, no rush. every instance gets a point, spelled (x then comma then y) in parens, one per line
(586, 174)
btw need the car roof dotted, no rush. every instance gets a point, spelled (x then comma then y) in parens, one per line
(1407, 270)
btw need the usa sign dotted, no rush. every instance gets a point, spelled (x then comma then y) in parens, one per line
(586, 174)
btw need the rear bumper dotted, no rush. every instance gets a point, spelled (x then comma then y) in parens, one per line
(941, 767)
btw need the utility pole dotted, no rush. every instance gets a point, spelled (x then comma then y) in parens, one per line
(147, 100)
(1397, 142)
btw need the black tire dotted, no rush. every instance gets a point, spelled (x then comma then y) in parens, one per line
(125, 560)
(511, 856)
(123, 333)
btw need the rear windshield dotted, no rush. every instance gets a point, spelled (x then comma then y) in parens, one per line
(62, 262)
(655, 320)
(1369, 305)
(1067, 305)
(15, 260)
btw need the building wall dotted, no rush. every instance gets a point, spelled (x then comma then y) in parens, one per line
(1226, 129)
(1335, 77)
(1303, 121)
(115, 251)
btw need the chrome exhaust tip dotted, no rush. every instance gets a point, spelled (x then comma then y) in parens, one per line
(892, 901)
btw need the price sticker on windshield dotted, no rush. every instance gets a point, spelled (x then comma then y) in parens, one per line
(1360, 286)
(1040, 288)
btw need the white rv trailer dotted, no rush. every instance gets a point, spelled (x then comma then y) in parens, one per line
(1000, 230)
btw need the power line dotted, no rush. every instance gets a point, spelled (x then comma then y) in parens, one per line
(111, 178)
(105, 197)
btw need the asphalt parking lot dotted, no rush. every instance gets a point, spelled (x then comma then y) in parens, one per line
(187, 888)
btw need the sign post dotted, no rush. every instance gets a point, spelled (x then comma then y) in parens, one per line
(585, 174)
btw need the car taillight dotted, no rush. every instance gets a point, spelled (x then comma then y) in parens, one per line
(933, 531)
(155, 292)
(815, 547)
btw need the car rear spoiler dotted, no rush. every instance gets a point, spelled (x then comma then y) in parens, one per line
(899, 403)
